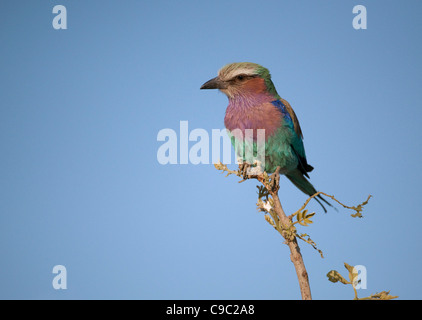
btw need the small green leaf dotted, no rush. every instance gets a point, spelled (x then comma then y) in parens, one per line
(269, 220)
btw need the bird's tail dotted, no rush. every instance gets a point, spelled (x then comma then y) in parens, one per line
(298, 179)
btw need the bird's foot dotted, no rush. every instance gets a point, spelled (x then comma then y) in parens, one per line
(244, 170)
(275, 180)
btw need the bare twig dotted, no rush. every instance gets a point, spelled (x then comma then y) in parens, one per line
(334, 276)
(281, 221)
(284, 224)
(295, 254)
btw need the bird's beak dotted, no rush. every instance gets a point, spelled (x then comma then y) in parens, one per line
(214, 83)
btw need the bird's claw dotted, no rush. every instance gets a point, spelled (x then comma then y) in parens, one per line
(244, 168)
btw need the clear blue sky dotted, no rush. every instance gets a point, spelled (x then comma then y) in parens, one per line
(80, 184)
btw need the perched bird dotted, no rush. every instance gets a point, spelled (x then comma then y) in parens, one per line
(255, 104)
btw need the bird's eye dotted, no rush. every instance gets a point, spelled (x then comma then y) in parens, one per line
(240, 77)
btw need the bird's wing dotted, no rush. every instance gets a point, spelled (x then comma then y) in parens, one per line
(292, 114)
(297, 142)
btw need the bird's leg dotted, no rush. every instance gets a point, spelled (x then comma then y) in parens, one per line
(243, 168)
(275, 180)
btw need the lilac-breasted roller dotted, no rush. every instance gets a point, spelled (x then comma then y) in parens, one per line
(255, 104)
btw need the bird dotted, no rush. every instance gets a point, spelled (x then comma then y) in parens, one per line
(255, 104)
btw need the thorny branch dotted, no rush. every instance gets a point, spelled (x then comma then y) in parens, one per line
(281, 222)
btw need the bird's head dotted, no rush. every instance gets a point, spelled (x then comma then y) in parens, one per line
(242, 79)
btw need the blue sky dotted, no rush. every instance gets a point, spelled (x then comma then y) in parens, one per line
(80, 184)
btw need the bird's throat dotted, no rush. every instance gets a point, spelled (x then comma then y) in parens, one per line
(252, 113)
(245, 101)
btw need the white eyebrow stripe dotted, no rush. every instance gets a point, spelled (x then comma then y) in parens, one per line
(244, 71)
(236, 72)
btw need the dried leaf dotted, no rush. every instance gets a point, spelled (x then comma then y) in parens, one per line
(334, 276)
